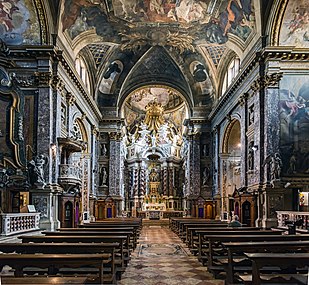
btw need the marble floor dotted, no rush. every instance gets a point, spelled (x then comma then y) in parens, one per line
(162, 259)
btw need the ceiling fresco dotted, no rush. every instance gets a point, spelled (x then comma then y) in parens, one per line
(19, 23)
(295, 25)
(168, 99)
(209, 21)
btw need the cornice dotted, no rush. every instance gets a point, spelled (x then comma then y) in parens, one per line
(57, 55)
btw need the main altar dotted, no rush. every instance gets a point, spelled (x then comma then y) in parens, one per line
(154, 201)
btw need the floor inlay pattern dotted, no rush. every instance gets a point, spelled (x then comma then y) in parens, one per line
(162, 259)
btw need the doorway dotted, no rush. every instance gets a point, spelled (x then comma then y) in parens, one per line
(246, 215)
(68, 215)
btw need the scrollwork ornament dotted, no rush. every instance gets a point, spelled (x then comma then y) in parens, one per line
(6, 82)
(266, 80)
(43, 79)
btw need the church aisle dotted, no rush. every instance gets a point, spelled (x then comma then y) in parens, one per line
(162, 259)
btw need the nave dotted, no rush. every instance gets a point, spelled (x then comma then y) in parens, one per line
(161, 258)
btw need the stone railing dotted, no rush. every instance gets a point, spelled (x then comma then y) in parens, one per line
(18, 223)
(293, 216)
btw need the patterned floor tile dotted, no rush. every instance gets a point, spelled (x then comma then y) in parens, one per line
(162, 259)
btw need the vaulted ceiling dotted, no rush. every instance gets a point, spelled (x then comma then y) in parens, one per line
(180, 43)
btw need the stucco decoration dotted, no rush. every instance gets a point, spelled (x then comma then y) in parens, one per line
(295, 25)
(19, 23)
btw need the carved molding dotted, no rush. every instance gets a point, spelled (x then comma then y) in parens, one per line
(57, 83)
(278, 21)
(43, 79)
(243, 99)
(180, 41)
(265, 81)
(115, 136)
(42, 20)
(70, 98)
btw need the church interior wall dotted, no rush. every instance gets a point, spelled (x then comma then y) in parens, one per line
(75, 149)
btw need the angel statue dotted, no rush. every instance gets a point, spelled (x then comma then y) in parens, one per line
(36, 169)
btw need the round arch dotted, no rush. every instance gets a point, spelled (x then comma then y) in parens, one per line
(231, 138)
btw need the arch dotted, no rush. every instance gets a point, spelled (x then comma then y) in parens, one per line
(275, 18)
(234, 125)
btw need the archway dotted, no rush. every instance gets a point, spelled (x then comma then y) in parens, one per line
(231, 163)
(152, 141)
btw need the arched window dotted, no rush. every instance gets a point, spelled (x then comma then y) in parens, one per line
(230, 74)
(81, 68)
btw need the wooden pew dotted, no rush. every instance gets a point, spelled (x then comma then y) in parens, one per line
(6, 280)
(122, 240)
(70, 248)
(204, 241)
(54, 262)
(131, 240)
(104, 228)
(192, 236)
(111, 224)
(270, 246)
(214, 239)
(282, 260)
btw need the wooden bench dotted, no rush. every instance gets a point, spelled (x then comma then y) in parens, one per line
(107, 228)
(193, 237)
(219, 239)
(53, 262)
(122, 240)
(71, 248)
(6, 280)
(270, 246)
(204, 242)
(131, 241)
(282, 260)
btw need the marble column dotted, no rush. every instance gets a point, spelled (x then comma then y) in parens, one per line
(194, 178)
(114, 168)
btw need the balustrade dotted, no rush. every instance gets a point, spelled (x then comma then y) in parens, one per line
(20, 222)
(293, 216)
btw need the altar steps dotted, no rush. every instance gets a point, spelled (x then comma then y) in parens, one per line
(150, 223)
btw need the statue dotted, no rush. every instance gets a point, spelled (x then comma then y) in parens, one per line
(36, 169)
(103, 176)
(275, 165)
(250, 157)
(153, 176)
(103, 149)
(206, 175)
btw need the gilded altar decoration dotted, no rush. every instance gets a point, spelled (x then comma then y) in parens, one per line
(154, 115)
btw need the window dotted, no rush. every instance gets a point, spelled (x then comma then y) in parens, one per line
(82, 71)
(231, 73)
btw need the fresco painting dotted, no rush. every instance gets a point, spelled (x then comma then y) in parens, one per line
(233, 16)
(294, 124)
(295, 25)
(19, 23)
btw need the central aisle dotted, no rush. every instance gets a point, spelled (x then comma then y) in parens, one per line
(162, 259)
